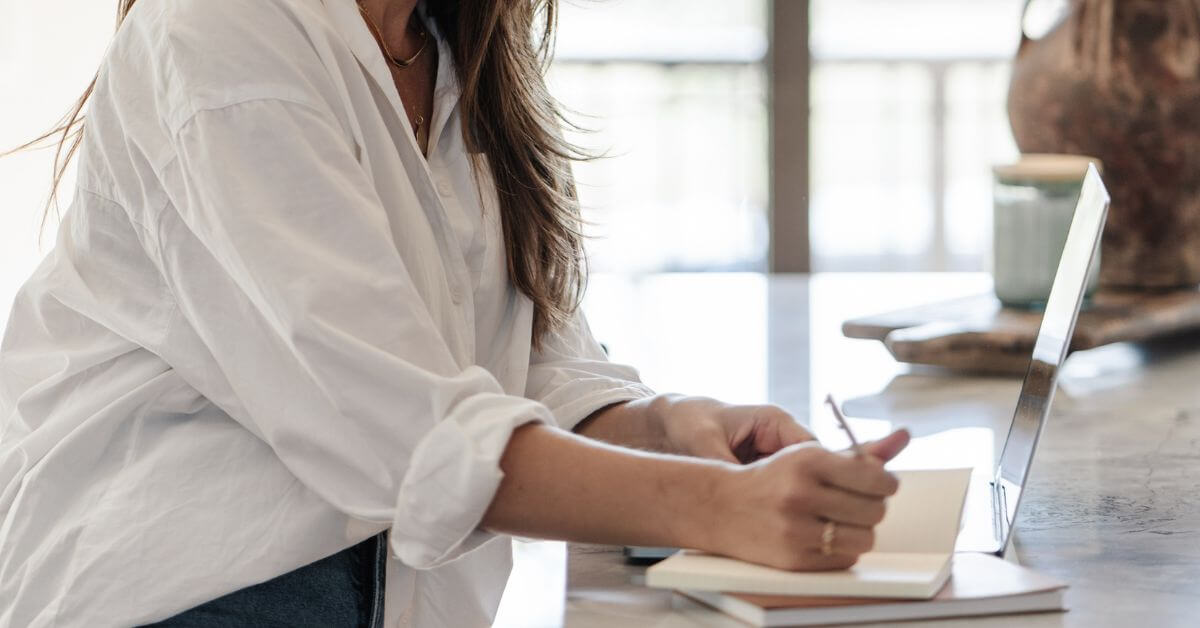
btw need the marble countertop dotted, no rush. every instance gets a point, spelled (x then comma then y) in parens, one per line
(1113, 501)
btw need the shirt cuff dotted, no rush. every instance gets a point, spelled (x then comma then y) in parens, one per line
(453, 477)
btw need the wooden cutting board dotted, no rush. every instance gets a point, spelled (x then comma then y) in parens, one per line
(976, 333)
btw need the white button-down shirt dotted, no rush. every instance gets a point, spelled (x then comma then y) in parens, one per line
(269, 330)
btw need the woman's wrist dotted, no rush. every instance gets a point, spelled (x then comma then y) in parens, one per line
(698, 499)
(661, 411)
(639, 424)
(668, 423)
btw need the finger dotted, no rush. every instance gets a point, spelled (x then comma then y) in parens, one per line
(851, 540)
(770, 439)
(769, 429)
(864, 475)
(848, 508)
(791, 432)
(847, 538)
(890, 446)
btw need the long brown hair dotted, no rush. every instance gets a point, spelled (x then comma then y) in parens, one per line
(501, 50)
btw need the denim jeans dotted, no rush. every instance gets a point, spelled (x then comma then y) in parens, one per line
(345, 589)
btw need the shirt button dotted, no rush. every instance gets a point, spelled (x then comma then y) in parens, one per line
(444, 188)
(456, 292)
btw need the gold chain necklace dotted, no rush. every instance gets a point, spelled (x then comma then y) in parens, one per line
(418, 121)
(396, 61)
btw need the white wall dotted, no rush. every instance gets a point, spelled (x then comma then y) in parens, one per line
(48, 53)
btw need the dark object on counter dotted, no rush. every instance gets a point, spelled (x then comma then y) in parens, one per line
(1120, 79)
(637, 555)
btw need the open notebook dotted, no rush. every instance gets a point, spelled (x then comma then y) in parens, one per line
(980, 584)
(911, 559)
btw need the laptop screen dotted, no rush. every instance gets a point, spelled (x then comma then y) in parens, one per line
(1050, 349)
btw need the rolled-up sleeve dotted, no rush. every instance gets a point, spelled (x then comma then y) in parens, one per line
(572, 376)
(280, 256)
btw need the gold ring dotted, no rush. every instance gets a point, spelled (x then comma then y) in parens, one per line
(827, 536)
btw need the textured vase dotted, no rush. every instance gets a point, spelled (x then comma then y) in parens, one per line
(1120, 80)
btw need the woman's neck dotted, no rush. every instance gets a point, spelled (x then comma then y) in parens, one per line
(392, 17)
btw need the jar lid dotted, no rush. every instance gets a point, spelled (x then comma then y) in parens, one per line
(1049, 168)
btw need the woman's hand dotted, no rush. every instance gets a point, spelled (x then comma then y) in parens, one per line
(707, 428)
(557, 485)
(774, 511)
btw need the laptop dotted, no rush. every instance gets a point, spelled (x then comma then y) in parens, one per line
(992, 504)
(991, 508)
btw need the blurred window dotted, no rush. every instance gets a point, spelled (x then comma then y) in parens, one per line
(908, 115)
(675, 93)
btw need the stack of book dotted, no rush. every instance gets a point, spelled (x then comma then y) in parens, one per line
(912, 573)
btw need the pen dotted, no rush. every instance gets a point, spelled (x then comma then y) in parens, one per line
(837, 414)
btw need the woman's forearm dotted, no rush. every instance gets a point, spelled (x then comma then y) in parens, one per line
(637, 424)
(558, 485)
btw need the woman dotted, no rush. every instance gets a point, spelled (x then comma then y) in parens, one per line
(308, 345)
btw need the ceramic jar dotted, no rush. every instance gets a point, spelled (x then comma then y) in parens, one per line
(1035, 201)
(1120, 79)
